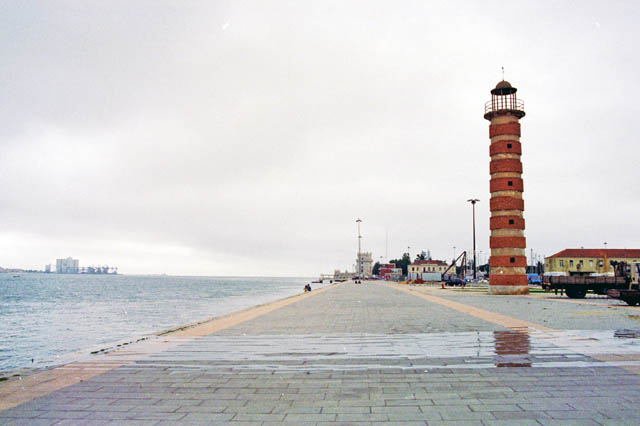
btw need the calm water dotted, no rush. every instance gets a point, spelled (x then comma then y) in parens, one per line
(44, 317)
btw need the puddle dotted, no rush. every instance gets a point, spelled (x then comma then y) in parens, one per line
(512, 349)
(497, 349)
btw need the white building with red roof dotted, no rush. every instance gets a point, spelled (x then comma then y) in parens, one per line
(428, 270)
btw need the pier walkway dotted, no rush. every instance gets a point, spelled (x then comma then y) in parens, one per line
(361, 354)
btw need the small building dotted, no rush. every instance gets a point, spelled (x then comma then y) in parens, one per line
(587, 261)
(390, 272)
(428, 270)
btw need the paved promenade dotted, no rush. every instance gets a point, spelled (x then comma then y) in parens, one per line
(361, 354)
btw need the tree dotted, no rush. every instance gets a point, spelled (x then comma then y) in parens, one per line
(424, 255)
(403, 263)
(376, 268)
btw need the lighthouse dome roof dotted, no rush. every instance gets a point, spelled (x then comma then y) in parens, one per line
(503, 88)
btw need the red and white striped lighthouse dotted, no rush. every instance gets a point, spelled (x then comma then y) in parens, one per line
(508, 260)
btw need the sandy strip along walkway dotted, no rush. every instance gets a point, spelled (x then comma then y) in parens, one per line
(18, 390)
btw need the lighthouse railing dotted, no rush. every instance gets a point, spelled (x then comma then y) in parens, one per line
(503, 103)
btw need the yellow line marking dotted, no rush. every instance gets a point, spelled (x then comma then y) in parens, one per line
(18, 390)
(514, 324)
(503, 320)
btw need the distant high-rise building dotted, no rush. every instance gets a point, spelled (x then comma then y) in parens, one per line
(47, 268)
(67, 266)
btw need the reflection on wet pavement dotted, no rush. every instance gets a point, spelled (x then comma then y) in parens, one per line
(512, 349)
(520, 348)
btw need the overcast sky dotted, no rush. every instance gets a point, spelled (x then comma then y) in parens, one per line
(246, 137)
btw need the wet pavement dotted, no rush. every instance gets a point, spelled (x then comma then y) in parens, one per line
(596, 313)
(363, 354)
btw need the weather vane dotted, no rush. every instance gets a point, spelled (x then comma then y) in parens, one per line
(502, 73)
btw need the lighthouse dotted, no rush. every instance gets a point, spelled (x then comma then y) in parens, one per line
(508, 260)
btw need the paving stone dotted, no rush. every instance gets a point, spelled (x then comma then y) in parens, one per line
(405, 423)
(395, 410)
(490, 407)
(204, 408)
(355, 417)
(320, 403)
(425, 416)
(257, 417)
(81, 422)
(347, 423)
(450, 402)
(518, 415)
(346, 410)
(108, 407)
(296, 410)
(556, 405)
(29, 422)
(362, 403)
(328, 417)
(621, 414)
(407, 402)
(467, 415)
(207, 417)
(107, 415)
(61, 415)
(287, 423)
(612, 422)
(512, 422)
(574, 422)
(21, 412)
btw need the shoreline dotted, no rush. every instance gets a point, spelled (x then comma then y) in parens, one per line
(33, 383)
(97, 321)
(231, 318)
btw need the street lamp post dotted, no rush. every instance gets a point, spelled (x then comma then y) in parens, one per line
(473, 202)
(359, 263)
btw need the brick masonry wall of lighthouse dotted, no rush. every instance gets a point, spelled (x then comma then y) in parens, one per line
(508, 260)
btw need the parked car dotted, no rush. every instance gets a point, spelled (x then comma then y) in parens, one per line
(453, 280)
(534, 279)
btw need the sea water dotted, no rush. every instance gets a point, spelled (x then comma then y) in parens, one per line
(45, 317)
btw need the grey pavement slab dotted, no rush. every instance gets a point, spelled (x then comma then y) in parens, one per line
(361, 354)
(366, 308)
(599, 314)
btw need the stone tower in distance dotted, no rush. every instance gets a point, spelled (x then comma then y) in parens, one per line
(508, 260)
